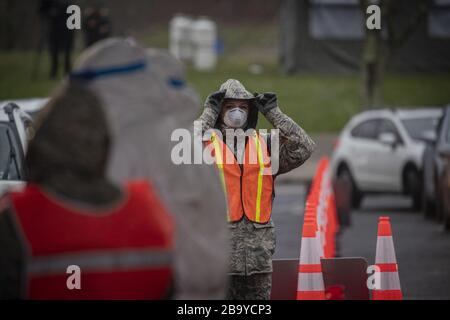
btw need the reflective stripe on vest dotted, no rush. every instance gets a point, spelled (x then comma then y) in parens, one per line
(219, 163)
(252, 193)
(260, 179)
(98, 261)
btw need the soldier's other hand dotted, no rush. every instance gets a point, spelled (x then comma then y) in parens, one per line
(214, 100)
(266, 101)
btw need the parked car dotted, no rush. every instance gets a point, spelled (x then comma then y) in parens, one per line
(436, 172)
(381, 151)
(30, 107)
(429, 179)
(14, 134)
(443, 178)
(444, 187)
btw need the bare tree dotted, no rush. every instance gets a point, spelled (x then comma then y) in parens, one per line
(381, 46)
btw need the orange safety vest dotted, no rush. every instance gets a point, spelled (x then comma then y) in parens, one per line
(123, 252)
(248, 190)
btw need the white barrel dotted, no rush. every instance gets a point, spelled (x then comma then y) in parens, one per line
(204, 36)
(180, 37)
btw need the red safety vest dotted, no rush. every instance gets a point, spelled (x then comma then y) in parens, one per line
(248, 191)
(123, 252)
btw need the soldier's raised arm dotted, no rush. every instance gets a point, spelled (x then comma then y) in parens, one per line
(296, 146)
(211, 111)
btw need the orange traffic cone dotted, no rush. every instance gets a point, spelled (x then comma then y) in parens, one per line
(387, 263)
(333, 225)
(310, 279)
(311, 216)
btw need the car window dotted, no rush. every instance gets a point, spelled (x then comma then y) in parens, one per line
(417, 128)
(387, 126)
(366, 130)
(10, 160)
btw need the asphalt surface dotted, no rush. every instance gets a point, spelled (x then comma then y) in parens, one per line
(287, 214)
(422, 248)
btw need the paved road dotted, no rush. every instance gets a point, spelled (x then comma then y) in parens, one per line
(423, 250)
(324, 147)
(288, 217)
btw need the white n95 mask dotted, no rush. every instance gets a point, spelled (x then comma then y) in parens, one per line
(235, 118)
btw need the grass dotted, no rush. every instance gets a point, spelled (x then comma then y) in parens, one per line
(260, 41)
(324, 103)
(320, 103)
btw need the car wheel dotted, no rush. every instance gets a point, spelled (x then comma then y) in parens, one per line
(446, 212)
(413, 187)
(355, 195)
(447, 224)
(428, 206)
(446, 219)
(429, 209)
(440, 214)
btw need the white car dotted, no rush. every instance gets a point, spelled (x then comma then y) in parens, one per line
(15, 131)
(15, 127)
(380, 151)
(30, 106)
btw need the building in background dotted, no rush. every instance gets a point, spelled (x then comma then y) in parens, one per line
(328, 36)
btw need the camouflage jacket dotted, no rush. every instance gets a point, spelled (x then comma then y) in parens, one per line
(253, 244)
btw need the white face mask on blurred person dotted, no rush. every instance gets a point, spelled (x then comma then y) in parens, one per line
(235, 118)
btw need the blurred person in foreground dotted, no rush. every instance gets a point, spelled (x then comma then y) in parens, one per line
(146, 98)
(249, 187)
(71, 219)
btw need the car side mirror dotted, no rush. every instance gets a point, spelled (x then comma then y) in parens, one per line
(388, 138)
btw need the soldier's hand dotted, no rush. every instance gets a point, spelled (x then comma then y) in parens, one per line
(214, 100)
(266, 101)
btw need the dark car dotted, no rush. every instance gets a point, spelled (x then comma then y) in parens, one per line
(428, 178)
(443, 169)
(444, 189)
(435, 170)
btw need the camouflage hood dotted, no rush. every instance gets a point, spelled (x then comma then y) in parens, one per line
(235, 90)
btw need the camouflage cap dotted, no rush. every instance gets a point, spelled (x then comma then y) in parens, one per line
(235, 90)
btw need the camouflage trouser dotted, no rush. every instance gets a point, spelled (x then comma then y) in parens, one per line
(252, 247)
(253, 287)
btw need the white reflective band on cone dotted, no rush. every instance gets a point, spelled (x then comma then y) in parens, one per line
(308, 256)
(100, 261)
(310, 282)
(385, 252)
(389, 281)
(320, 243)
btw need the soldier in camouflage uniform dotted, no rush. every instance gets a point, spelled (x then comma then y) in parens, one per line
(253, 244)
